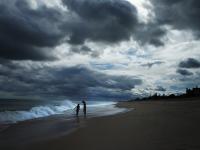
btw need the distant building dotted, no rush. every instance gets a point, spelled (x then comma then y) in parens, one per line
(193, 92)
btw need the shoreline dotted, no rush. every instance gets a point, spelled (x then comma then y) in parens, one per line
(57, 125)
(158, 124)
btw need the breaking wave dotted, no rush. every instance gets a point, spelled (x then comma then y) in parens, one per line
(36, 112)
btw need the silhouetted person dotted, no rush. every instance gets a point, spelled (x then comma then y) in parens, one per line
(77, 109)
(84, 107)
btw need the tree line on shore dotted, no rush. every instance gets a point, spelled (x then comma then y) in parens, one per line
(190, 93)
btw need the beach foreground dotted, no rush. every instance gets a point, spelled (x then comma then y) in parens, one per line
(151, 125)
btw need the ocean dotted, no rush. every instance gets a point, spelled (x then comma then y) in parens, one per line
(26, 121)
(13, 111)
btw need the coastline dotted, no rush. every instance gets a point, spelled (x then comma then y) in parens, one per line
(150, 125)
(23, 133)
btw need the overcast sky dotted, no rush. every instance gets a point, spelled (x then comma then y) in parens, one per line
(99, 49)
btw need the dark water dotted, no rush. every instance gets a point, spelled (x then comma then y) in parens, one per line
(12, 111)
(23, 122)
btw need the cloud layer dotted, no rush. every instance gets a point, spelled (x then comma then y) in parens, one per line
(184, 72)
(71, 82)
(98, 48)
(180, 14)
(27, 33)
(190, 63)
(103, 21)
(35, 32)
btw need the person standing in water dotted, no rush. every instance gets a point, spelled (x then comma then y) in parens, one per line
(77, 109)
(84, 107)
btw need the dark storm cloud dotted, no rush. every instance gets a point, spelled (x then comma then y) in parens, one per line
(110, 22)
(180, 14)
(160, 89)
(27, 33)
(184, 72)
(190, 63)
(73, 82)
(23, 35)
(150, 33)
(157, 88)
(151, 64)
(111, 94)
(32, 34)
(100, 20)
(81, 49)
(84, 50)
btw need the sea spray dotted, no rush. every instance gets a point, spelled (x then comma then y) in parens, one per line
(36, 112)
(49, 108)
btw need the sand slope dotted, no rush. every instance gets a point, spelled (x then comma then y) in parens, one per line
(150, 126)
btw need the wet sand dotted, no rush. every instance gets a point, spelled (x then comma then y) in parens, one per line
(155, 125)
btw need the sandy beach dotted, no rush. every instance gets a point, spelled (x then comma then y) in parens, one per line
(155, 125)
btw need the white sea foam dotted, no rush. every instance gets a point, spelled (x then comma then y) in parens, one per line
(36, 112)
(94, 108)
